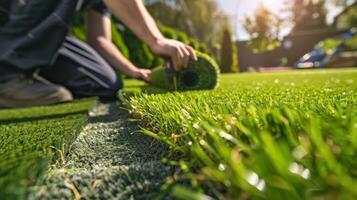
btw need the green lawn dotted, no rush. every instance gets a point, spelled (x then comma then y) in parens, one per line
(261, 136)
(29, 138)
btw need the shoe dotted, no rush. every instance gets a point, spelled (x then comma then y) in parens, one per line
(22, 91)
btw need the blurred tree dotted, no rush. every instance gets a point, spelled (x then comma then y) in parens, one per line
(229, 56)
(264, 30)
(343, 3)
(216, 52)
(348, 17)
(201, 19)
(307, 14)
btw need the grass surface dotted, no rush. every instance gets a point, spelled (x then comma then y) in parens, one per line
(261, 136)
(29, 138)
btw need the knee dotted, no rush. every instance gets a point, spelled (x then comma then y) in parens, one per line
(117, 84)
(114, 85)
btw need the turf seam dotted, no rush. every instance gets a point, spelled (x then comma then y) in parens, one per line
(111, 153)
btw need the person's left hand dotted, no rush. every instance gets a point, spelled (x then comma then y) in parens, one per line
(140, 74)
(179, 52)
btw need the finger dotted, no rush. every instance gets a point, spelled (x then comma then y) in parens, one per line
(192, 52)
(181, 61)
(187, 55)
(185, 50)
(189, 52)
(145, 76)
(176, 62)
(148, 71)
(177, 56)
(180, 52)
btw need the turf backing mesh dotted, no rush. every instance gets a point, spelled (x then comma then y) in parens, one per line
(109, 160)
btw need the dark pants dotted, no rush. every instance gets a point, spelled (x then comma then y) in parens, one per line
(32, 31)
(83, 71)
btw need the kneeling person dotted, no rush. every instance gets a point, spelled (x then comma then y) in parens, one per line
(40, 64)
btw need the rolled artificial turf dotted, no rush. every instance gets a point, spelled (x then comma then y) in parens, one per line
(202, 74)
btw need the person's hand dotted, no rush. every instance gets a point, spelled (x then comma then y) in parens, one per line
(141, 74)
(179, 52)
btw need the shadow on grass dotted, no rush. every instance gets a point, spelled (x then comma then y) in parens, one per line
(147, 89)
(143, 89)
(153, 90)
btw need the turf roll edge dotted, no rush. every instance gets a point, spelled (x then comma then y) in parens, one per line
(202, 74)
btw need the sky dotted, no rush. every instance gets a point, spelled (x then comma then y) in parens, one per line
(237, 9)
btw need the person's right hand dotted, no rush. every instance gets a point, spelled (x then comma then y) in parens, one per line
(179, 52)
(141, 74)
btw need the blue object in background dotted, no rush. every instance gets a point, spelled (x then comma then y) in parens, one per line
(320, 58)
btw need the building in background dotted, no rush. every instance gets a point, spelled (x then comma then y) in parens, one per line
(302, 39)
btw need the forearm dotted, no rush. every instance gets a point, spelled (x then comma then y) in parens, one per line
(134, 14)
(113, 56)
